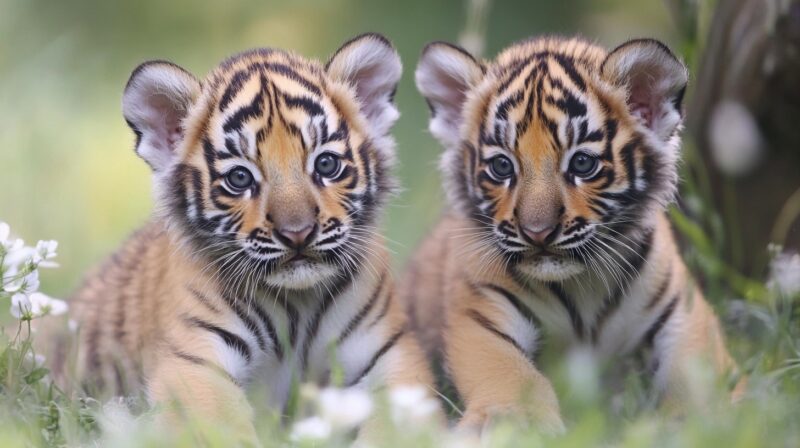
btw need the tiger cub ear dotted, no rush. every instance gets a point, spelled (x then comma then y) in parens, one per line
(655, 81)
(155, 102)
(370, 64)
(445, 74)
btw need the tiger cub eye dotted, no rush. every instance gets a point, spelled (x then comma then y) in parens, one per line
(582, 164)
(239, 178)
(501, 167)
(326, 165)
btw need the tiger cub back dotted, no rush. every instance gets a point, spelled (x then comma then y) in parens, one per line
(559, 160)
(260, 265)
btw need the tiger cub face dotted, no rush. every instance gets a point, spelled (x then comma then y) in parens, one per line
(274, 167)
(557, 147)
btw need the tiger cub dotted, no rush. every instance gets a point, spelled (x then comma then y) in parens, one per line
(260, 265)
(559, 161)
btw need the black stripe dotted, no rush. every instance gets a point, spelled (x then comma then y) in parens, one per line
(651, 334)
(248, 322)
(572, 72)
(231, 340)
(384, 309)
(362, 313)
(198, 361)
(569, 305)
(660, 291)
(293, 316)
(514, 300)
(484, 322)
(187, 357)
(377, 356)
(203, 299)
(234, 86)
(273, 334)
(613, 301)
(316, 320)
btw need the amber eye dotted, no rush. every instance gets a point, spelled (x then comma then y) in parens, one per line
(327, 165)
(582, 164)
(239, 179)
(501, 167)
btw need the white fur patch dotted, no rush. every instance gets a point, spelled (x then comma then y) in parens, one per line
(302, 275)
(550, 269)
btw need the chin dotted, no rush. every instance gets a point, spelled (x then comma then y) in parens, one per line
(302, 275)
(550, 269)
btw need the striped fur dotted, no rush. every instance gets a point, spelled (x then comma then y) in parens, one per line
(537, 248)
(263, 278)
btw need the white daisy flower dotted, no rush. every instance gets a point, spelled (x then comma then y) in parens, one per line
(412, 405)
(344, 408)
(45, 252)
(21, 306)
(312, 428)
(36, 304)
(785, 273)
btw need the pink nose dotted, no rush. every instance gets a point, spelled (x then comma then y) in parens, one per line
(295, 238)
(539, 234)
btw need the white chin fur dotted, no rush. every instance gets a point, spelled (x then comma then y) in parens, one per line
(302, 275)
(550, 269)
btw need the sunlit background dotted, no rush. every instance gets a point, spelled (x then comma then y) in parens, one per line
(67, 166)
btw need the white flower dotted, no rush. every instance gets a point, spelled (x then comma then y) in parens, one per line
(44, 305)
(344, 408)
(582, 374)
(785, 274)
(20, 305)
(36, 305)
(412, 405)
(24, 285)
(16, 252)
(45, 252)
(312, 428)
(5, 231)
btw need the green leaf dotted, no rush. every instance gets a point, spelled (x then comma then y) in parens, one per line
(36, 375)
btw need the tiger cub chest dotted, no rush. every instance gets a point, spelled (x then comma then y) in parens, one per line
(322, 342)
(573, 317)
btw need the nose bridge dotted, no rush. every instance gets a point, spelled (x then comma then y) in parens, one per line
(290, 203)
(540, 196)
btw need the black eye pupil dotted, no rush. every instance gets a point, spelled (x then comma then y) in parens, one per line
(582, 164)
(502, 167)
(326, 165)
(240, 178)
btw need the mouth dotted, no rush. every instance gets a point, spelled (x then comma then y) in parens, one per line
(297, 259)
(547, 253)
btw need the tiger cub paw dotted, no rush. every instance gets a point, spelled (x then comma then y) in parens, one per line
(546, 419)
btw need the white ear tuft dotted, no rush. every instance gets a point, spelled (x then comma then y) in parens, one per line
(655, 81)
(371, 65)
(445, 74)
(155, 102)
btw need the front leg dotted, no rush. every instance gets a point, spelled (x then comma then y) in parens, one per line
(195, 388)
(488, 344)
(685, 334)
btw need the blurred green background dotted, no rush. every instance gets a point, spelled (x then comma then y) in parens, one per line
(67, 166)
